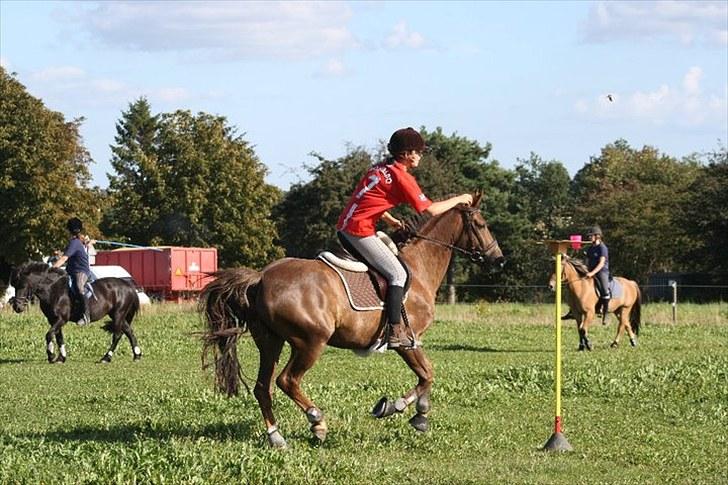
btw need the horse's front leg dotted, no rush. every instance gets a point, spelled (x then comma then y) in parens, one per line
(420, 365)
(52, 333)
(583, 326)
(61, 346)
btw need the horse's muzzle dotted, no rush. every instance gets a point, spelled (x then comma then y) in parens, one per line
(18, 306)
(500, 262)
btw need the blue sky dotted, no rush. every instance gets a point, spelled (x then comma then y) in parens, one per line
(298, 77)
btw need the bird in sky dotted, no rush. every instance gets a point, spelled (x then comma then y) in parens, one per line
(610, 98)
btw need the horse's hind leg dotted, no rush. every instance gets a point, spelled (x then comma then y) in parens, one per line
(628, 325)
(420, 365)
(126, 328)
(623, 317)
(303, 356)
(269, 347)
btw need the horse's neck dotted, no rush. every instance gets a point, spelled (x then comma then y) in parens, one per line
(428, 261)
(574, 280)
(50, 285)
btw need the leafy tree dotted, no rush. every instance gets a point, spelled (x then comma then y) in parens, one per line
(43, 175)
(137, 187)
(190, 180)
(634, 196)
(306, 216)
(538, 208)
(705, 216)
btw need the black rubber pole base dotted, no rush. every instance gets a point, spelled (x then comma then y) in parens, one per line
(557, 442)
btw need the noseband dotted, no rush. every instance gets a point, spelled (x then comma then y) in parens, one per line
(475, 255)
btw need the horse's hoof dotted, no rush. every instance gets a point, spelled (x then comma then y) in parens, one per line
(581, 347)
(614, 345)
(420, 422)
(383, 408)
(589, 346)
(275, 440)
(319, 431)
(137, 357)
(105, 360)
(633, 342)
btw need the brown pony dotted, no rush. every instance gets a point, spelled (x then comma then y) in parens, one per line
(304, 303)
(583, 300)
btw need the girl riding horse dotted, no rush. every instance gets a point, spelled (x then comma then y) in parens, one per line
(383, 187)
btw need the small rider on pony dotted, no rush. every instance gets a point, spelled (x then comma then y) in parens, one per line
(383, 187)
(78, 266)
(598, 263)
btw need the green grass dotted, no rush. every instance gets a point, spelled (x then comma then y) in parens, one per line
(654, 414)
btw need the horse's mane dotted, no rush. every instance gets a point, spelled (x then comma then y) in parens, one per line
(37, 267)
(578, 265)
(412, 225)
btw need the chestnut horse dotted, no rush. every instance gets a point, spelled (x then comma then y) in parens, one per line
(583, 300)
(304, 303)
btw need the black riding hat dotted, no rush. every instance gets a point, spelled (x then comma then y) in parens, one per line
(594, 231)
(405, 140)
(74, 225)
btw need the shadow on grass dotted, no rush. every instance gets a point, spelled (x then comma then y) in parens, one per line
(15, 361)
(472, 348)
(134, 432)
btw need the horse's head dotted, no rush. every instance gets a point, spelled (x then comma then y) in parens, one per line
(476, 240)
(29, 278)
(552, 278)
(575, 265)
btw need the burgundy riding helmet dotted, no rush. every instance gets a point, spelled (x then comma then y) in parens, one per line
(405, 140)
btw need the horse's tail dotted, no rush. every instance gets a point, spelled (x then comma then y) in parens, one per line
(227, 304)
(635, 317)
(133, 308)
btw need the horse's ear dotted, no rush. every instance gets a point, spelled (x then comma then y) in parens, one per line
(477, 197)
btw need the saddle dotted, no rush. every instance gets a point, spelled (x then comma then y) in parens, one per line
(88, 292)
(365, 288)
(615, 288)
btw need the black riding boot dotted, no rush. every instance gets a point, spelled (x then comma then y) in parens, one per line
(397, 336)
(604, 303)
(83, 309)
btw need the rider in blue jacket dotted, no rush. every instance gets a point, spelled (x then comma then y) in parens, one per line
(598, 263)
(77, 268)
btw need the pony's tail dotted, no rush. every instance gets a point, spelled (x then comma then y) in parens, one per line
(635, 317)
(227, 305)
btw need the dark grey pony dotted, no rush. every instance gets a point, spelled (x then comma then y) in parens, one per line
(50, 287)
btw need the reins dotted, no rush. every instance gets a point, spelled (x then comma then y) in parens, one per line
(476, 255)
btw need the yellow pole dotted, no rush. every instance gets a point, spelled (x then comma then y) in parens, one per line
(557, 441)
(557, 320)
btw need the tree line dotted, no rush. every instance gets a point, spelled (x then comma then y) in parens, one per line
(193, 180)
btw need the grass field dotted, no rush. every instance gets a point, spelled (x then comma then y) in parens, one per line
(654, 414)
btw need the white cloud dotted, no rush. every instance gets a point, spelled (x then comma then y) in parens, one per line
(686, 21)
(691, 81)
(333, 68)
(59, 74)
(171, 94)
(402, 36)
(222, 29)
(684, 106)
(64, 84)
(5, 63)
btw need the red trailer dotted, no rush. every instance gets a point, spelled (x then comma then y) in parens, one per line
(171, 273)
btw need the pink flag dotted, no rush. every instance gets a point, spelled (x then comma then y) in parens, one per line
(575, 241)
